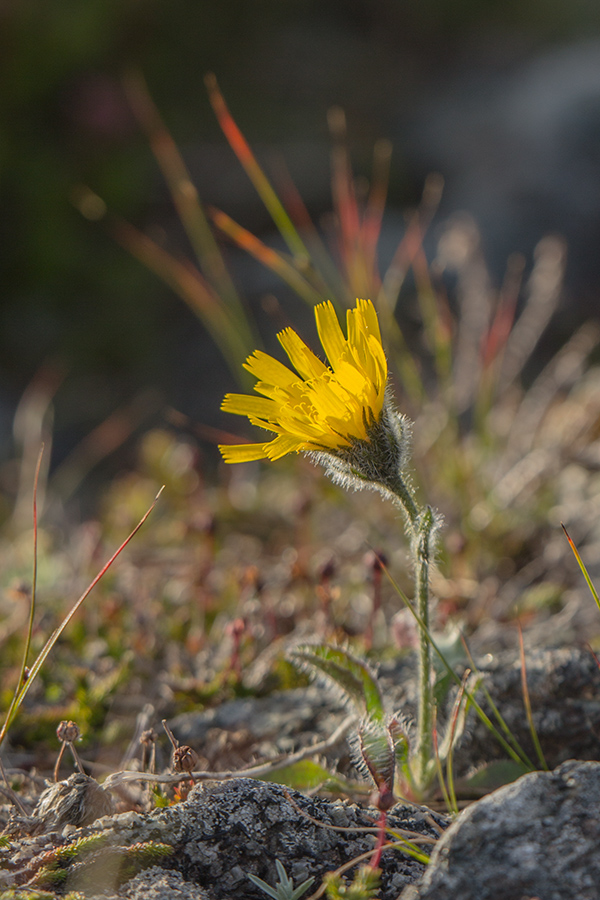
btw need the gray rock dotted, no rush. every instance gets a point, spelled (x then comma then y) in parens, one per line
(564, 688)
(222, 834)
(157, 884)
(282, 714)
(538, 837)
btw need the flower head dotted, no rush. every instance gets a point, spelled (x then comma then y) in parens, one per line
(317, 408)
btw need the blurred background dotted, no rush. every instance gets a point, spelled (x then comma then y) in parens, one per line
(501, 98)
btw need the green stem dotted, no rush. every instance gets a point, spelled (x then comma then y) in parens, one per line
(422, 527)
(422, 552)
(401, 492)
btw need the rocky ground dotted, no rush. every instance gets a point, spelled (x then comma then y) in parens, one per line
(536, 837)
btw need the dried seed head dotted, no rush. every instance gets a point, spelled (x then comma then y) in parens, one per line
(148, 737)
(184, 759)
(68, 732)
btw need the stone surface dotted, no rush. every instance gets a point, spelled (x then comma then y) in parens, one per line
(225, 832)
(158, 884)
(536, 838)
(564, 689)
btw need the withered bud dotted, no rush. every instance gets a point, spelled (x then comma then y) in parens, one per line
(383, 799)
(148, 737)
(68, 732)
(184, 759)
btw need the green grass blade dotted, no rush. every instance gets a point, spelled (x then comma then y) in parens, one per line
(582, 566)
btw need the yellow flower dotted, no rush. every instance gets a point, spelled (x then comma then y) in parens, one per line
(321, 408)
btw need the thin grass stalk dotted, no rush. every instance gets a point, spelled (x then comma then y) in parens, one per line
(516, 755)
(494, 344)
(450, 757)
(412, 240)
(440, 771)
(321, 270)
(242, 150)
(24, 676)
(437, 329)
(582, 566)
(498, 715)
(346, 207)
(188, 283)
(543, 294)
(527, 702)
(183, 192)
(46, 649)
(563, 371)
(375, 208)
(267, 256)
(34, 568)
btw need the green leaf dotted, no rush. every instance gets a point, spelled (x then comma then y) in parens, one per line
(303, 775)
(492, 776)
(354, 677)
(284, 890)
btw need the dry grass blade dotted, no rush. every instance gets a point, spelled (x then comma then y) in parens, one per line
(183, 278)
(460, 250)
(562, 372)
(183, 191)
(242, 150)
(515, 752)
(451, 741)
(527, 702)
(544, 287)
(266, 255)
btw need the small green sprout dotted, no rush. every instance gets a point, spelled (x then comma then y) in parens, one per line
(364, 886)
(284, 889)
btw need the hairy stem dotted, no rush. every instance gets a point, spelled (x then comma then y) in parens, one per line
(423, 526)
(423, 553)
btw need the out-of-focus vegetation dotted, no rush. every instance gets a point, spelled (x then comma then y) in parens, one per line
(71, 298)
(202, 606)
(231, 569)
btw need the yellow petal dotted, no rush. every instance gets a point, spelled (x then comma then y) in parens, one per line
(266, 368)
(319, 408)
(330, 333)
(247, 405)
(282, 445)
(236, 453)
(303, 360)
(369, 317)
